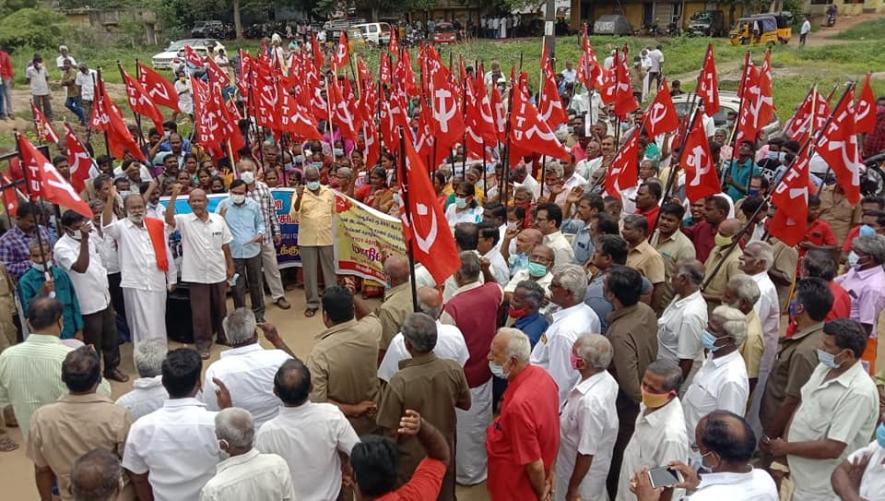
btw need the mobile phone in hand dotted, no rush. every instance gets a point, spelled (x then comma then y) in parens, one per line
(663, 476)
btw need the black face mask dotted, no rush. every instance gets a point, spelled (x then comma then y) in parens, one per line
(788, 158)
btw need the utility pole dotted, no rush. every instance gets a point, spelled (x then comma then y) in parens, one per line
(549, 28)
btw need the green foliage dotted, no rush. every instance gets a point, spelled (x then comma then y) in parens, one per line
(869, 30)
(38, 28)
(9, 6)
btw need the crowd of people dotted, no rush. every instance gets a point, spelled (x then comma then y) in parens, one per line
(584, 339)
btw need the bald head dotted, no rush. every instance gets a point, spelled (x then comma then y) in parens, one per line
(543, 251)
(730, 227)
(198, 202)
(95, 476)
(430, 301)
(396, 267)
(533, 235)
(729, 436)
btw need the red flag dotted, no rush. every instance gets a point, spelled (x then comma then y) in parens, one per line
(296, 119)
(384, 69)
(45, 133)
(161, 91)
(708, 84)
(266, 98)
(317, 51)
(192, 58)
(46, 182)
(10, 196)
(549, 103)
(448, 120)
(216, 74)
(660, 117)
(424, 135)
(341, 111)
(107, 117)
(838, 146)
(430, 239)
(528, 132)
(499, 113)
(791, 199)
(865, 109)
(393, 46)
(765, 99)
(701, 179)
(140, 103)
(342, 53)
(748, 116)
(624, 170)
(797, 128)
(747, 69)
(625, 101)
(79, 160)
(206, 117)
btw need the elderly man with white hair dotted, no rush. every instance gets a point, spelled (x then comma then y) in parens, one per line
(682, 324)
(313, 208)
(553, 351)
(721, 383)
(246, 473)
(147, 393)
(588, 423)
(247, 369)
(741, 293)
(756, 260)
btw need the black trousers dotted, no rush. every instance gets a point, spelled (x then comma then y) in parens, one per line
(119, 306)
(100, 330)
(628, 410)
(250, 278)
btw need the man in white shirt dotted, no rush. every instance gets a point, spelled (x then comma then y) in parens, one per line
(247, 369)
(684, 320)
(548, 219)
(79, 256)
(521, 178)
(721, 383)
(659, 437)
(147, 268)
(588, 423)
(246, 473)
(553, 351)
(656, 60)
(37, 77)
(86, 80)
(450, 342)
(569, 74)
(207, 265)
(488, 248)
(63, 54)
(172, 452)
(148, 393)
(804, 31)
(849, 485)
(311, 437)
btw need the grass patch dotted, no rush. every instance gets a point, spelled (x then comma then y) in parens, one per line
(864, 31)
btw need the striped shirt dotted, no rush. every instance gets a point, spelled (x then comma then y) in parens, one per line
(261, 194)
(30, 376)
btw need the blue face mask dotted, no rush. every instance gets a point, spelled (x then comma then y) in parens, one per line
(827, 359)
(518, 260)
(867, 231)
(41, 266)
(709, 341)
(772, 155)
(537, 270)
(752, 193)
(460, 202)
(313, 185)
(880, 435)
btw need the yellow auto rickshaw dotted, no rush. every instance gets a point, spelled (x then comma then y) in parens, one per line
(761, 29)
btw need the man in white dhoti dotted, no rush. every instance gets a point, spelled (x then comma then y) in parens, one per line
(147, 269)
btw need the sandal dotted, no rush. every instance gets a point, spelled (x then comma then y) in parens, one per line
(7, 444)
(310, 312)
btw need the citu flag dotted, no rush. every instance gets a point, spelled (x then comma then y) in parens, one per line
(748, 115)
(44, 129)
(342, 53)
(106, 117)
(79, 160)
(838, 146)
(765, 100)
(660, 116)
(316, 50)
(295, 119)
(528, 132)
(341, 111)
(207, 117)
(424, 223)
(448, 120)
(708, 84)
(625, 101)
(393, 46)
(139, 101)
(797, 127)
(44, 181)
(865, 108)
(549, 102)
(701, 179)
(790, 220)
(624, 170)
(9, 196)
(161, 91)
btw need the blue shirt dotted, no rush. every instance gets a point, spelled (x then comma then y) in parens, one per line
(595, 298)
(29, 286)
(533, 326)
(583, 242)
(245, 223)
(741, 174)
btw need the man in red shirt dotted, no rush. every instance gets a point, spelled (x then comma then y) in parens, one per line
(648, 196)
(6, 74)
(871, 209)
(820, 264)
(523, 440)
(374, 462)
(703, 233)
(819, 234)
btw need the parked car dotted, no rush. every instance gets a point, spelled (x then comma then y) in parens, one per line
(444, 33)
(729, 103)
(207, 29)
(173, 56)
(612, 24)
(374, 33)
(707, 23)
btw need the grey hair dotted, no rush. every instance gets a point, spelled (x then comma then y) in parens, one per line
(470, 265)
(523, 189)
(653, 162)
(148, 357)
(873, 245)
(239, 326)
(734, 322)
(236, 427)
(96, 476)
(310, 169)
(534, 292)
(344, 171)
(419, 329)
(691, 269)
(518, 344)
(445, 170)
(132, 196)
(745, 288)
(555, 168)
(669, 370)
(763, 252)
(572, 278)
(432, 311)
(595, 349)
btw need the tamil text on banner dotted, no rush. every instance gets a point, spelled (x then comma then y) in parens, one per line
(363, 237)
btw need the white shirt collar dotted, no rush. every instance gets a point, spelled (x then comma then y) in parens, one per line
(241, 350)
(583, 387)
(144, 383)
(183, 402)
(724, 478)
(565, 312)
(237, 460)
(719, 362)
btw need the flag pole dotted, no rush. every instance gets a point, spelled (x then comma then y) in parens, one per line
(674, 171)
(137, 116)
(737, 120)
(406, 210)
(47, 275)
(848, 88)
(97, 81)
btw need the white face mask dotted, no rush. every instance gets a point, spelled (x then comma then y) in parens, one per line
(852, 259)
(248, 177)
(136, 218)
(238, 199)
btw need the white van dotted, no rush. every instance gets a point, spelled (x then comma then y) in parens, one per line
(374, 33)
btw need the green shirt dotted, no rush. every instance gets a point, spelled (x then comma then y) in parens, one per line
(30, 376)
(32, 281)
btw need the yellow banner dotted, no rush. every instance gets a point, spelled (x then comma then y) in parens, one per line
(364, 237)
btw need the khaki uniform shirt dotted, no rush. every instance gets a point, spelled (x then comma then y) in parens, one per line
(796, 360)
(633, 334)
(7, 309)
(677, 247)
(752, 348)
(646, 260)
(786, 261)
(836, 210)
(392, 312)
(65, 430)
(342, 366)
(716, 288)
(315, 217)
(433, 387)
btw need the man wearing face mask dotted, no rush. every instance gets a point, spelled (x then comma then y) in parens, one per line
(243, 217)
(146, 265)
(838, 413)
(865, 283)
(523, 440)
(660, 437)
(796, 356)
(730, 258)
(517, 254)
(14, 243)
(313, 208)
(538, 270)
(78, 254)
(871, 209)
(861, 476)
(46, 279)
(258, 192)
(524, 314)
(721, 383)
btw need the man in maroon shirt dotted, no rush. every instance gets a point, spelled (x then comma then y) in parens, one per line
(703, 233)
(6, 74)
(523, 440)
